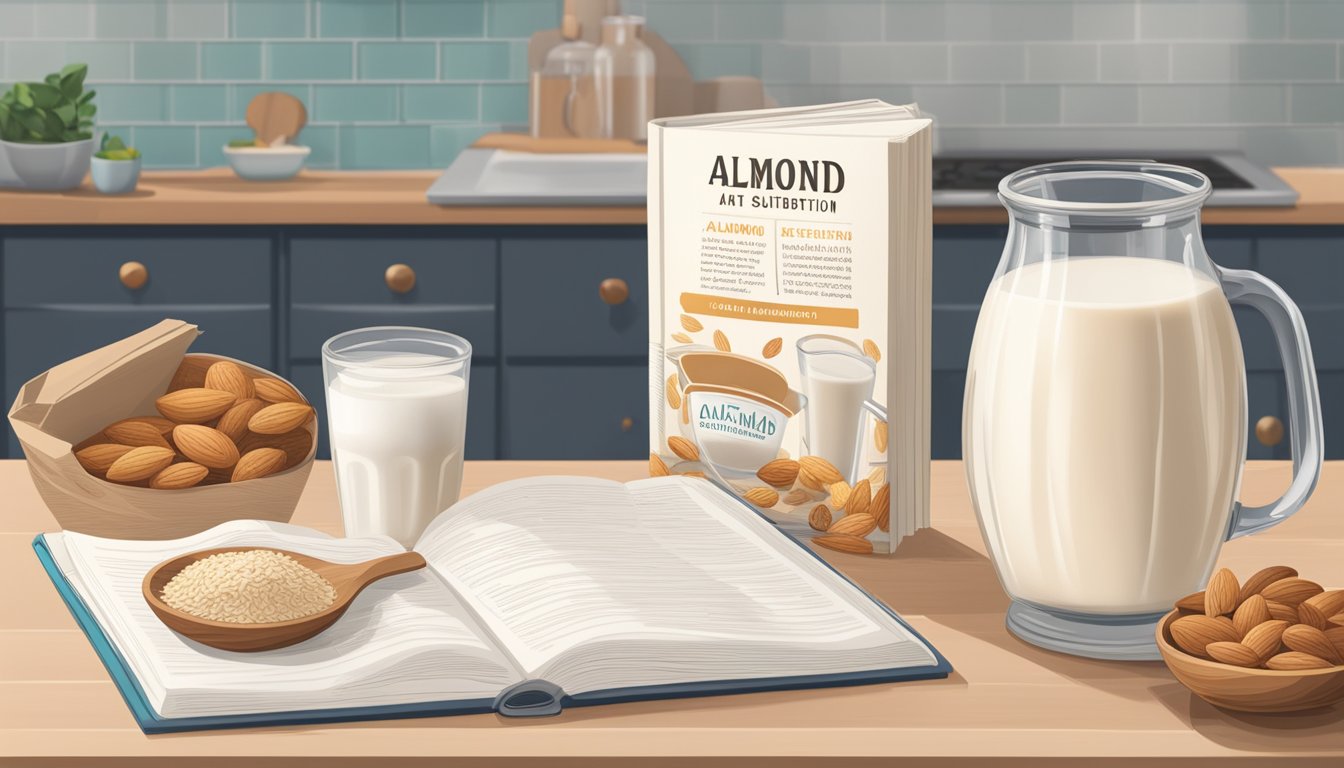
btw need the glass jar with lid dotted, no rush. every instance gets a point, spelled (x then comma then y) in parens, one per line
(624, 71)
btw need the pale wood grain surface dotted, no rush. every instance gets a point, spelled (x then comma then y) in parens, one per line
(217, 196)
(1007, 703)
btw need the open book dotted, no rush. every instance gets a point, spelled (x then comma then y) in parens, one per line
(540, 593)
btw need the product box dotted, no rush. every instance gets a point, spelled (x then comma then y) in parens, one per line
(789, 273)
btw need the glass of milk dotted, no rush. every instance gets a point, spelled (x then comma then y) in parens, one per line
(837, 379)
(397, 419)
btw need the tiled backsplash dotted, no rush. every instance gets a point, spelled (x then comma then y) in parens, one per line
(408, 83)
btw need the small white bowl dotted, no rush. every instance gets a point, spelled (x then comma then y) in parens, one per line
(115, 177)
(267, 163)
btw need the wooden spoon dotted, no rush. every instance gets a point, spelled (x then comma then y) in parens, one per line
(348, 580)
(273, 114)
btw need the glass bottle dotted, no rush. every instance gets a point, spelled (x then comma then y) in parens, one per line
(624, 69)
(564, 97)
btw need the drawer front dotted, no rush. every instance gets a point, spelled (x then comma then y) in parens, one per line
(352, 270)
(311, 326)
(36, 340)
(181, 270)
(481, 408)
(551, 303)
(575, 412)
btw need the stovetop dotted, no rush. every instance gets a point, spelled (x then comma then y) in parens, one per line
(973, 180)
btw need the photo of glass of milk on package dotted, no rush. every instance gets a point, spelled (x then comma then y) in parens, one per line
(789, 277)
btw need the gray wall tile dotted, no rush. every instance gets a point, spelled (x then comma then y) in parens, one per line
(1213, 104)
(832, 21)
(988, 62)
(1031, 104)
(1135, 62)
(1316, 19)
(1062, 62)
(916, 21)
(1108, 104)
(1318, 103)
(1010, 21)
(1105, 21)
(1184, 20)
(1224, 62)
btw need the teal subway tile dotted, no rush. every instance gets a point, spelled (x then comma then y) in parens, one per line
(832, 22)
(384, 146)
(446, 142)
(131, 20)
(357, 18)
(962, 104)
(1135, 62)
(988, 62)
(199, 20)
(695, 20)
(166, 146)
(62, 19)
(17, 19)
(1316, 19)
(270, 18)
(1184, 20)
(230, 61)
(1101, 104)
(3, 74)
(310, 61)
(132, 103)
(709, 60)
(323, 141)
(875, 64)
(504, 103)
(165, 61)
(199, 103)
(213, 138)
(520, 18)
(734, 21)
(476, 61)
(1031, 104)
(106, 60)
(1004, 22)
(786, 63)
(1223, 62)
(1062, 62)
(442, 18)
(1318, 103)
(1105, 20)
(440, 102)
(1213, 104)
(243, 94)
(30, 60)
(397, 61)
(916, 22)
(354, 103)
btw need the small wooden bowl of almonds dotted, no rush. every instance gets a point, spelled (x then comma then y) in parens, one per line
(1272, 644)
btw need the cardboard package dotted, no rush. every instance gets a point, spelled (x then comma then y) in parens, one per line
(58, 409)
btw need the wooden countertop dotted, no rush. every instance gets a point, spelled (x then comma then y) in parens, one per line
(1008, 703)
(216, 196)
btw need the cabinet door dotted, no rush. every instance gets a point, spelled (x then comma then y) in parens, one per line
(964, 260)
(1265, 399)
(576, 412)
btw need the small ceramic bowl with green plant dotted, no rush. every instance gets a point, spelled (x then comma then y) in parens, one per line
(116, 167)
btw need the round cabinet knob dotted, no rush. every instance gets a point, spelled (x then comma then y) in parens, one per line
(400, 278)
(133, 275)
(627, 424)
(1269, 430)
(614, 291)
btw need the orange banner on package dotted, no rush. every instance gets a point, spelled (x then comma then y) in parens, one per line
(767, 311)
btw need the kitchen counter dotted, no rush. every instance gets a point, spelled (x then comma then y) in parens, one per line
(216, 196)
(1007, 703)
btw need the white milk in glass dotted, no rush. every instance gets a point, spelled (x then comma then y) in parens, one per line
(837, 382)
(1108, 409)
(397, 436)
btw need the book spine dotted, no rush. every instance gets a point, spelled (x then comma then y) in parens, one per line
(530, 698)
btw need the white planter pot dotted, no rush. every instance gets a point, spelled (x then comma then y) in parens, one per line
(49, 166)
(115, 177)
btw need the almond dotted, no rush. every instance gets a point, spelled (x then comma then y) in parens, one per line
(880, 436)
(196, 405)
(295, 444)
(1263, 578)
(258, 463)
(135, 433)
(273, 390)
(234, 421)
(871, 349)
(840, 493)
(877, 477)
(721, 342)
(780, 473)
(817, 473)
(206, 446)
(190, 373)
(819, 518)
(693, 473)
(1193, 633)
(673, 392)
(1193, 602)
(1220, 597)
(1235, 654)
(1250, 614)
(684, 448)
(178, 476)
(842, 543)
(1265, 638)
(1308, 639)
(1281, 611)
(772, 347)
(1318, 609)
(229, 377)
(797, 496)
(682, 338)
(691, 324)
(860, 499)
(1291, 591)
(881, 507)
(1336, 637)
(98, 458)
(854, 525)
(1296, 660)
(657, 467)
(1337, 620)
(762, 497)
(140, 463)
(280, 418)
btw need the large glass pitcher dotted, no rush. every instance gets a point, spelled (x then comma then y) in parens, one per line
(1105, 418)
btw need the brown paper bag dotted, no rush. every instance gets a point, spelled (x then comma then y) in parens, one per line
(57, 409)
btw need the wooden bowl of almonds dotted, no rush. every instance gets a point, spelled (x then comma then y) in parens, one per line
(1274, 643)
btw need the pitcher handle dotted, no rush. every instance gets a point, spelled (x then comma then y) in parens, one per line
(1305, 431)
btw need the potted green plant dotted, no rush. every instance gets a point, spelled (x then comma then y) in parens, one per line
(46, 129)
(116, 167)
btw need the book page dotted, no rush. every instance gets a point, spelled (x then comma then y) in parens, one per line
(405, 638)
(593, 585)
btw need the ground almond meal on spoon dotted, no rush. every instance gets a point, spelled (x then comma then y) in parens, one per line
(255, 586)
